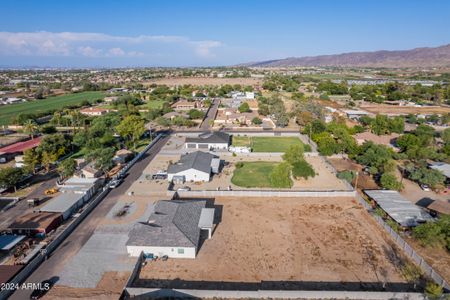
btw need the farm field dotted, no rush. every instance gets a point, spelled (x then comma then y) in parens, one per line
(254, 174)
(7, 112)
(267, 144)
(285, 243)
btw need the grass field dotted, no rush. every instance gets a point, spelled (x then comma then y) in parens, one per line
(267, 144)
(7, 112)
(154, 104)
(254, 174)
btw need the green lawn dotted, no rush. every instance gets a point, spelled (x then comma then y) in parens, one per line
(268, 144)
(154, 104)
(254, 174)
(7, 112)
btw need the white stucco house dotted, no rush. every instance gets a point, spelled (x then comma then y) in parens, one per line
(172, 229)
(195, 166)
(216, 140)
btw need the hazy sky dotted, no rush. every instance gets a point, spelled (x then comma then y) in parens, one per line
(201, 33)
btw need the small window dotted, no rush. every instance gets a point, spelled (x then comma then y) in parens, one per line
(180, 251)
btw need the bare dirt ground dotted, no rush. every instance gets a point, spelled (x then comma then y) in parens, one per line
(392, 109)
(110, 287)
(364, 180)
(206, 81)
(319, 239)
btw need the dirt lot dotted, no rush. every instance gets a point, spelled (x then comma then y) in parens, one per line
(319, 239)
(110, 287)
(364, 180)
(206, 81)
(393, 109)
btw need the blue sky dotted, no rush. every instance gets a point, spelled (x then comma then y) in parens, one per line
(208, 33)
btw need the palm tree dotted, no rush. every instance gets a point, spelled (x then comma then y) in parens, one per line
(30, 128)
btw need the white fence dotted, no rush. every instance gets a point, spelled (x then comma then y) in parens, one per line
(259, 193)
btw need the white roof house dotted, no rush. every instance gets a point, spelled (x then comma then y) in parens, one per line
(399, 208)
(172, 229)
(196, 166)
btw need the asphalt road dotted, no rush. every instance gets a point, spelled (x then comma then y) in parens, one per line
(84, 231)
(211, 114)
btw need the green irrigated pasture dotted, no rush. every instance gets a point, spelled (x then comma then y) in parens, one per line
(7, 112)
(254, 174)
(268, 143)
(154, 104)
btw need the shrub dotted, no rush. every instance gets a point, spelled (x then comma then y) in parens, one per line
(347, 175)
(302, 169)
(239, 165)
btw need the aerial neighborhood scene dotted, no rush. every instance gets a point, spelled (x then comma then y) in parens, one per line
(225, 149)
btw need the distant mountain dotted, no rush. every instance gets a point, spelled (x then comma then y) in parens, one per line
(419, 57)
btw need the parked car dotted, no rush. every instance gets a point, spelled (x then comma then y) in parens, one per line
(184, 189)
(115, 183)
(425, 187)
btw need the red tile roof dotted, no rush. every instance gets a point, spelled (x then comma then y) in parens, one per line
(21, 146)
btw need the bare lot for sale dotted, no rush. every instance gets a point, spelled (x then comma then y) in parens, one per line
(392, 109)
(206, 81)
(285, 240)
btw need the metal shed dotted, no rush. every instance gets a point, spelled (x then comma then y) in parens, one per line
(399, 208)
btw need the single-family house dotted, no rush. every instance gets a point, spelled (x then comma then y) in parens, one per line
(185, 105)
(94, 111)
(215, 140)
(173, 229)
(90, 171)
(195, 166)
(9, 152)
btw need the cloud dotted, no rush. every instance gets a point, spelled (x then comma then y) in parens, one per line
(89, 44)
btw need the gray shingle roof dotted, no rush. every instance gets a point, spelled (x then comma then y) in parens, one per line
(210, 138)
(196, 160)
(173, 223)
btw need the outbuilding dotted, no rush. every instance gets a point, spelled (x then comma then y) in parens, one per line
(36, 223)
(216, 140)
(400, 209)
(173, 229)
(66, 204)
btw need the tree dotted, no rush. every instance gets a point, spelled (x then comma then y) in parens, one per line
(380, 125)
(244, 107)
(10, 177)
(31, 158)
(102, 158)
(196, 114)
(131, 128)
(347, 175)
(433, 290)
(390, 182)
(256, 121)
(30, 128)
(326, 144)
(49, 158)
(302, 169)
(280, 175)
(67, 167)
(295, 153)
(396, 125)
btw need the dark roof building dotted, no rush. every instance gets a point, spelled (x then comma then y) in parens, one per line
(213, 140)
(174, 224)
(34, 223)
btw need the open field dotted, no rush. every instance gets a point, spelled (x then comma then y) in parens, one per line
(206, 81)
(285, 241)
(7, 112)
(254, 174)
(393, 109)
(154, 104)
(267, 144)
